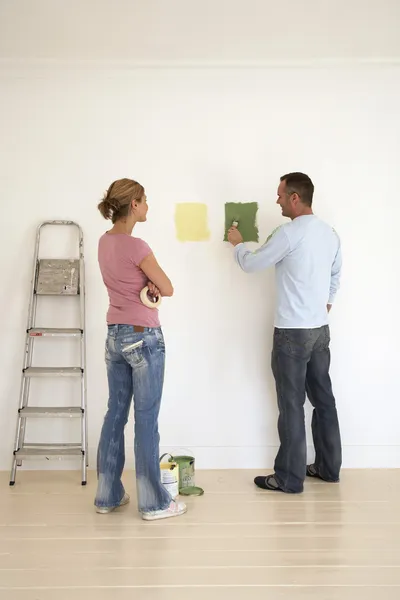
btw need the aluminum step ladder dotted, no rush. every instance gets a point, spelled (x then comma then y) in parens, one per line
(53, 277)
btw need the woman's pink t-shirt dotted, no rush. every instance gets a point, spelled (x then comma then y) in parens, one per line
(119, 258)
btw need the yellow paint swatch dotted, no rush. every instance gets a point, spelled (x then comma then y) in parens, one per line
(191, 222)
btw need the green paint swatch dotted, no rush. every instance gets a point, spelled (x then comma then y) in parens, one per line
(245, 213)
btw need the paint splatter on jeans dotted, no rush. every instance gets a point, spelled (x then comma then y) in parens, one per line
(135, 367)
(300, 364)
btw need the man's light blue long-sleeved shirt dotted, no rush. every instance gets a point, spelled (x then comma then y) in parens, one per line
(307, 257)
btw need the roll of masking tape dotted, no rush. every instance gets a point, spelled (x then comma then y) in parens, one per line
(147, 300)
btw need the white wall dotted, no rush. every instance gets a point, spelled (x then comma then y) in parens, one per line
(210, 31)
(210, 135)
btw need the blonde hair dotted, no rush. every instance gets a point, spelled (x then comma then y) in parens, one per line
(117, 201)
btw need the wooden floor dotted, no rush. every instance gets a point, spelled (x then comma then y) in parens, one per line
(334, 542)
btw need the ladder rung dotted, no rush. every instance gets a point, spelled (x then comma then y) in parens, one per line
(49, 450)
(63, 295)
(51, 411)
(52, 372)
(53, 331)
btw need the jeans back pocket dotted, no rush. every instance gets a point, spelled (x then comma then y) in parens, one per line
(132, 351)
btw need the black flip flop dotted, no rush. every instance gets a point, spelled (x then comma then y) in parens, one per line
(265, 483)
(311, 471)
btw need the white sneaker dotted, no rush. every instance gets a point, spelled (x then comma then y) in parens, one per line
(103, 510)
(175, 509)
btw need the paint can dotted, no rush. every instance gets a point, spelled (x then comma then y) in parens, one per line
(187, 485)
(186, 470)
(170, 476)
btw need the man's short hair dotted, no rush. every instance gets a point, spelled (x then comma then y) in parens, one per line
(300, 184)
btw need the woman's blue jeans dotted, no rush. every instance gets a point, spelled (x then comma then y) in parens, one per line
(135, 367)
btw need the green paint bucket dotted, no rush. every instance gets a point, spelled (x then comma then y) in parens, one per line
(187, 485)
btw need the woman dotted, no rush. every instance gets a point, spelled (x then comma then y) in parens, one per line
(135, 357)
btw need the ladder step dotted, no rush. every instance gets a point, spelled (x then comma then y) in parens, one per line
(53, 332)
(53, 372)
(58, 277)
(50, 411)
(49, 450)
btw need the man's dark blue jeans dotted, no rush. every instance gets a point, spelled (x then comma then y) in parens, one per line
(300, 364)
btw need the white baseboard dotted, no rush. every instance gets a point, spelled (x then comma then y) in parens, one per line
(354, 457)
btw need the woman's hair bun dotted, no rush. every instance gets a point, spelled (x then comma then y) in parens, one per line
(108, 206)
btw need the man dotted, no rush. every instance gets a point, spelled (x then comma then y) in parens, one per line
(307, 258)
